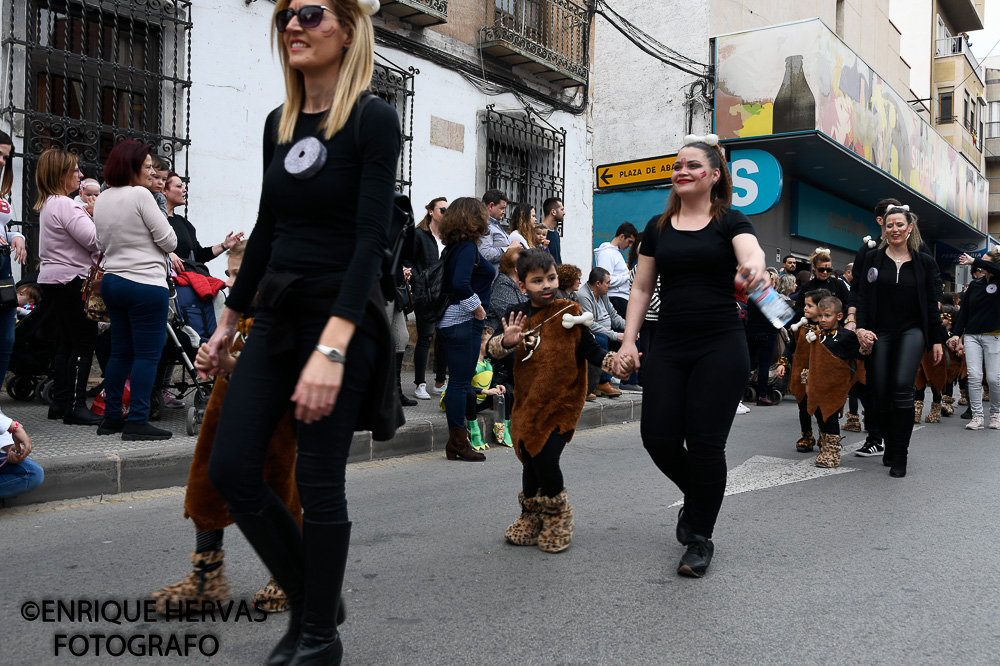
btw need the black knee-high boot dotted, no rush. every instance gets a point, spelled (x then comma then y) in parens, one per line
(326, 546)
(884, 420)
(902, 428)
(404, 399)
(76, 399)
(274, 535)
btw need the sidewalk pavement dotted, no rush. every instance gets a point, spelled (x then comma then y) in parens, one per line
(78, 463)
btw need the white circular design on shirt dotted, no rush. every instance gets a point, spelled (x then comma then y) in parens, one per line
(872, 274)
(305, 158)
(991, 288)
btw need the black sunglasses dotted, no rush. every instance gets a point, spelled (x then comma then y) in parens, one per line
(824, 270)
(309, 16)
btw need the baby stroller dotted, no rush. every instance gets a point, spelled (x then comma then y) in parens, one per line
(775, 386)
(32, 355)
(183, 341)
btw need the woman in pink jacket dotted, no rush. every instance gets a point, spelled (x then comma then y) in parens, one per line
(67, 248)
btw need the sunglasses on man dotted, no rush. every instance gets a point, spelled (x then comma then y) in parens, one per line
(309, 17)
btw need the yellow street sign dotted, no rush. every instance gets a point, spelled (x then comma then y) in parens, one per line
(637, 172)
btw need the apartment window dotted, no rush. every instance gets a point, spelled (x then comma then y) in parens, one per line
(525, 157)
(992, 129)
(95, 74)
(946, 107)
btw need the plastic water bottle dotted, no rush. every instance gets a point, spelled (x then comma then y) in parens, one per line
(771, 304)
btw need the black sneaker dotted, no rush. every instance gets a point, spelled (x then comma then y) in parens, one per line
(967, 414)
(870, 449)
(110, 426)
(143, 432)
(695, 561)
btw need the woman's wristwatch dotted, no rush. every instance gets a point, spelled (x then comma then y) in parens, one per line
(332, 354)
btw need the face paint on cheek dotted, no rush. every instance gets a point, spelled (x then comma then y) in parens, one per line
(681, 165)
(331, 32)
(703, 174)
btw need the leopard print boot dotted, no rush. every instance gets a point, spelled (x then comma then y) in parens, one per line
(935, 414)
(946, 407)
(557, 523)
(524, 531)
(964, 400)
(829, 451)
(206, 582)
(806, 442)
(271, 598)
(853, 423)
(918, 410)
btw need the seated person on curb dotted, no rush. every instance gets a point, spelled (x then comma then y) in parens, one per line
(18, 472)
(207, 581)
(829, 369)
(551, 344)
(608, 327)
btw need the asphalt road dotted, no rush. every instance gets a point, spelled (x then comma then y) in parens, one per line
(848, 568)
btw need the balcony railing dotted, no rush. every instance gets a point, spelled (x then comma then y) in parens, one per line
(950, 46)
(946, 120)
(418, 12)
(549, 38)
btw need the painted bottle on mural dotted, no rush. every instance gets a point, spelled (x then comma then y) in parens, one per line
(794, 105)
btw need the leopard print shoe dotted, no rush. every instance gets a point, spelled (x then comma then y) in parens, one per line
(206, 582)
(271, 598)
(934, 416)
(557, 523)
(829, 451)
(853, 423)
(525, 530)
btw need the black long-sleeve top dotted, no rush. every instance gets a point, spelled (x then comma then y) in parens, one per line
(831, 284)
(921, 292)
(980, 311)
(425, 250)
(857, 276)
(188, 247)
(332, 227)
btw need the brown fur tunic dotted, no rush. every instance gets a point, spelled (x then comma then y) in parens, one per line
(800, 361)
(932, 375)
(830, 380)
(201, 503)
(551, 386)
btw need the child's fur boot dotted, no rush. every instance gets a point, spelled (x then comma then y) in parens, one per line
(557, 523)
(935, 414)
(206, 582)
(853, 423)
(271, 598)
(829, 451)
(806, 442)
(918, 410)
(525, 530)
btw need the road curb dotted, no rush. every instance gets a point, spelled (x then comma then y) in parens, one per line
(71, 477)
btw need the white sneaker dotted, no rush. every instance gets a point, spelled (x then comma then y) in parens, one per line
(975, 424)
(742, 409)
(441, 389)
(420, 393)
(995, 422)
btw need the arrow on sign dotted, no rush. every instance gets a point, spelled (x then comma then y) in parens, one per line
(606, 177)
(761, 472)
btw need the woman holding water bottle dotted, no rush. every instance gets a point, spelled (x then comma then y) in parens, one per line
(699, 362)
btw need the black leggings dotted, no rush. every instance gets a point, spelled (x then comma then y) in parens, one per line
(922, 393)
(542, 473)
(76, 335)
(695, 381)
(830, 426)
(425, 337)
(259, 395)
(891, 372)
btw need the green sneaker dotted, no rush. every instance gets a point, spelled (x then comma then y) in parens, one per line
(476, 436)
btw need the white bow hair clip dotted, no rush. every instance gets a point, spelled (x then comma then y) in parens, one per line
(369, 7)
(821, 250)
(569, 321)
(869, 242)
(799, 324)
(708, 139)
(900, 207)
(811, 336)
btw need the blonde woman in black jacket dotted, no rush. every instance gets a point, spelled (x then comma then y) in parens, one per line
(898, 319)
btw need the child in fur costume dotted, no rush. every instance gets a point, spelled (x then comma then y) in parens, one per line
(935, 376)
(832, 370)
(207, 581)
(552, 343)
(797, 381)
(956, 363)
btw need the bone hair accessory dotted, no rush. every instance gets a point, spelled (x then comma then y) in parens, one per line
(305, 158)
(708, 139)
(585, 319)
(821, 250)
(905, 207)
(369, 7)
(799, 324)
(869, 242)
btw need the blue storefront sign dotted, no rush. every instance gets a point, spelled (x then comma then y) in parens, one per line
(757, 183)
(947, 255)
(830, 220)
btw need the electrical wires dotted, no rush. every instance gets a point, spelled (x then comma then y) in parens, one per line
(649, 44)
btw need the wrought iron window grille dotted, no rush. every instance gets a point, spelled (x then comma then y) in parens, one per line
(82, 75)
(395, 85)
(525, 157)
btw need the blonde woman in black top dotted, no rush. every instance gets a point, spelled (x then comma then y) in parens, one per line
(898, 319)
(321, 341)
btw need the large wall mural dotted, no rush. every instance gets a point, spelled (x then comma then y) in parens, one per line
(801, 77)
